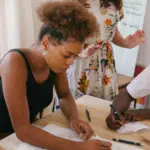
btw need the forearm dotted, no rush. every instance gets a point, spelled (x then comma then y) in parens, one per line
(122, 101)
(68, 107)
(142, 114)
(43, 139)
(139, 87)
(119, 40)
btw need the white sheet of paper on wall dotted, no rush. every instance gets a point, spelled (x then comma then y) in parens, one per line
(134, 13)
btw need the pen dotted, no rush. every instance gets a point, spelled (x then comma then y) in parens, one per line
(88, 115)
(127, 142)
(89, 118)
(115, 113)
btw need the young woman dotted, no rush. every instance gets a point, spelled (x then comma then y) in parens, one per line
(95, 74)
(29, 74)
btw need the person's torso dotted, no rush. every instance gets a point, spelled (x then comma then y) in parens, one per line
(39, 96)
(107, 18)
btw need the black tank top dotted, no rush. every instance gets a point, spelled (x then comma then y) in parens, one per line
(39, 96)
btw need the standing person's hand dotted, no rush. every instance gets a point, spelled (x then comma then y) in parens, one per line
(82, 128)
(135, 39)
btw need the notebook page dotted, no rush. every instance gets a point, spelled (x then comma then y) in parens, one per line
(133, 127)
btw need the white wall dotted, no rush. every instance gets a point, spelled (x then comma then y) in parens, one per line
(26, 23)
(144, 51)
(36, 21)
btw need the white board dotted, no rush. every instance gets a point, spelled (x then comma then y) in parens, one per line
(134, 12)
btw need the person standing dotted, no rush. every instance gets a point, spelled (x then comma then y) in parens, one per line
(93, 72)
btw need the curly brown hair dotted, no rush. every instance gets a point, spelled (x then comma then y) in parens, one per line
(65, 19)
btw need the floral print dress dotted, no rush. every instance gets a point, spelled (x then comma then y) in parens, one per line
(94, 73)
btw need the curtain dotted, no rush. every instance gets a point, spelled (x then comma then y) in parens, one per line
(19, 25)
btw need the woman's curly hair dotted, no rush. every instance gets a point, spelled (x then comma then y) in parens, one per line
(67, 19)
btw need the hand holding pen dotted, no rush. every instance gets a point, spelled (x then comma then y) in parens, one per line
(115, 120)
(115, 113)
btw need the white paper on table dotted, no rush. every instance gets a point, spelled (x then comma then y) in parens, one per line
(72, 135)
(133, 127)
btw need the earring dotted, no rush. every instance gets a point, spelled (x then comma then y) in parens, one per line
(44, 52)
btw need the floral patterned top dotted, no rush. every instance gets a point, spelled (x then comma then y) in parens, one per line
(94, 72)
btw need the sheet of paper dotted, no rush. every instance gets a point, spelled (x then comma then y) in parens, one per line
(70, 134)
(134, 13)
(133, 127)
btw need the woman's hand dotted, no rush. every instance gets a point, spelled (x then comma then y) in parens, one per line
(95, 145)
(135, 39)
(82, 128)
(85, 132)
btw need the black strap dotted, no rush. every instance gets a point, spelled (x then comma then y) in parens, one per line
(28, 66)
(29, 72)
(23, 55)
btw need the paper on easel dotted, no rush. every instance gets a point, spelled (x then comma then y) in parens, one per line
(72, 135)
(133, 127)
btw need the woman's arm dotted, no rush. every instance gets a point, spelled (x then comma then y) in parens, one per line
(14, 76)
(67, 103)
(130, 41)
(118, 39)
(68, 106)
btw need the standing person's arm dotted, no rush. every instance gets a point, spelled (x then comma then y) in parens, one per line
(130, 41)
(139, 87)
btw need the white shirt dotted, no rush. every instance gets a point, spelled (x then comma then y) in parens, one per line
(140, 86)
